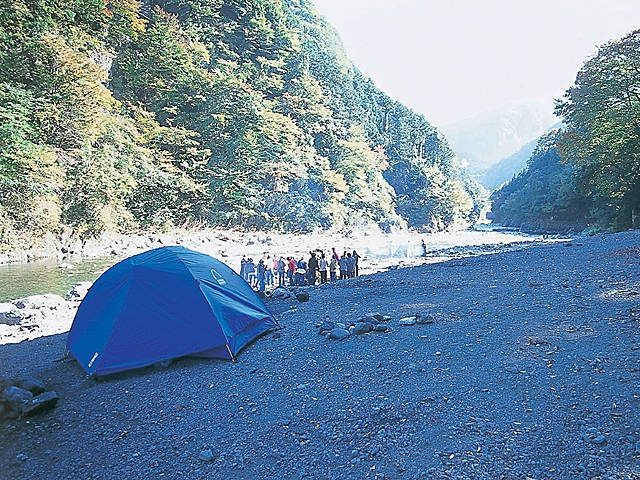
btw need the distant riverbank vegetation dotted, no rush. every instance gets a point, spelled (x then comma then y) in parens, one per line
(586, 175)
(117, 115)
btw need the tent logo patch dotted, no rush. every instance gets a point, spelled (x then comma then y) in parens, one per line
(217, 277)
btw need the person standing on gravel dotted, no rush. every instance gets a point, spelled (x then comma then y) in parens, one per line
(280, 269)
(322, 266)
(301, 272)
(356, 260)
(261, 275)
(291, 270)
(351, 266)
(333, 264)
(243, 268)
(424, 248)
(268, 270)
(343, 267)
(334, 254)
(313, 268)
(250, 268)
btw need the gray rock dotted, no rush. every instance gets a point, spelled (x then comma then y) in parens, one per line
(9, 314)
(281, 293)
(35, 302)
(361, 328)
(406, 321)
(17, 398)
(368, 319)
(32, 384)
(425, 319)
(338, 334)
(207, 455)
(78, 291)
(42, 403)
(302, 296)
(382, 328)
(326, 326)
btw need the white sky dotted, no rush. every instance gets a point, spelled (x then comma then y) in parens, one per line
(451, 59)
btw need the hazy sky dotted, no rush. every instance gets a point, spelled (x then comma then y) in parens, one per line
(451, 59)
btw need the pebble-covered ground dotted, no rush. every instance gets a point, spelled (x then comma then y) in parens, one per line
(530, 370)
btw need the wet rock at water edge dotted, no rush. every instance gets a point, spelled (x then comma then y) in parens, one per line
(9, 314)
(78, 291)
(35, 302)
(339, 334)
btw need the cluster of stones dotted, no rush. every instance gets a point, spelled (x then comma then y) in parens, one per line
(375, 322)
(25, 397)
(284, 293)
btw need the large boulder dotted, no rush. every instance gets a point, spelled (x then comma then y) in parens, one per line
(36, 302)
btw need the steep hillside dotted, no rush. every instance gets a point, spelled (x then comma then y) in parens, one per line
(508, 167)
(588, 173)
(543, 197)
(123, 116)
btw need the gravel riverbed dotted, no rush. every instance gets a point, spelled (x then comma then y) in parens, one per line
(530, 370)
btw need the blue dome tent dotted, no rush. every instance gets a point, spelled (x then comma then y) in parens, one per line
(163, 304)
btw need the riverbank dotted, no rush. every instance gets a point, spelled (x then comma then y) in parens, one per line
(378, 252)
(530, 369)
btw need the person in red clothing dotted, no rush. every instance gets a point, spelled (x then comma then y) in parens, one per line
(292, 266)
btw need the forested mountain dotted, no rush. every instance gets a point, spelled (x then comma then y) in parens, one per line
(588, 173)
(118, 115)
(508, 167)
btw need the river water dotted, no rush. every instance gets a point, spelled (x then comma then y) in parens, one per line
(379, 253)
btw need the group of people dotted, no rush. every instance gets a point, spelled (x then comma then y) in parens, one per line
(277, 269)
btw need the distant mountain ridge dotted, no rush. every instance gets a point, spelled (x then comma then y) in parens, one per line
(503, 171)
(485, 139)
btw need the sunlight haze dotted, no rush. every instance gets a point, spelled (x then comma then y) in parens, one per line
(454, 59)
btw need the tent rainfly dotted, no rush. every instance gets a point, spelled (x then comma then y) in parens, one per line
(163, 304)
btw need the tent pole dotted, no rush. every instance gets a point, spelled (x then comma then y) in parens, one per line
(233, 359)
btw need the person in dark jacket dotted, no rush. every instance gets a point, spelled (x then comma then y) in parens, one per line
(261, 275)
(356, 258)
(312, 269)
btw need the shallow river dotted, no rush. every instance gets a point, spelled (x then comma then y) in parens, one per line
(379, 252)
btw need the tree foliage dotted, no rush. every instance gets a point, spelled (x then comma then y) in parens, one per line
(590, 172)
(118, 115)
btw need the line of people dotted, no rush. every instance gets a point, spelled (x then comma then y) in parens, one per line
(317, 269)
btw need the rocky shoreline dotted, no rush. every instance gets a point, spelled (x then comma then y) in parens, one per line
(45, 314)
